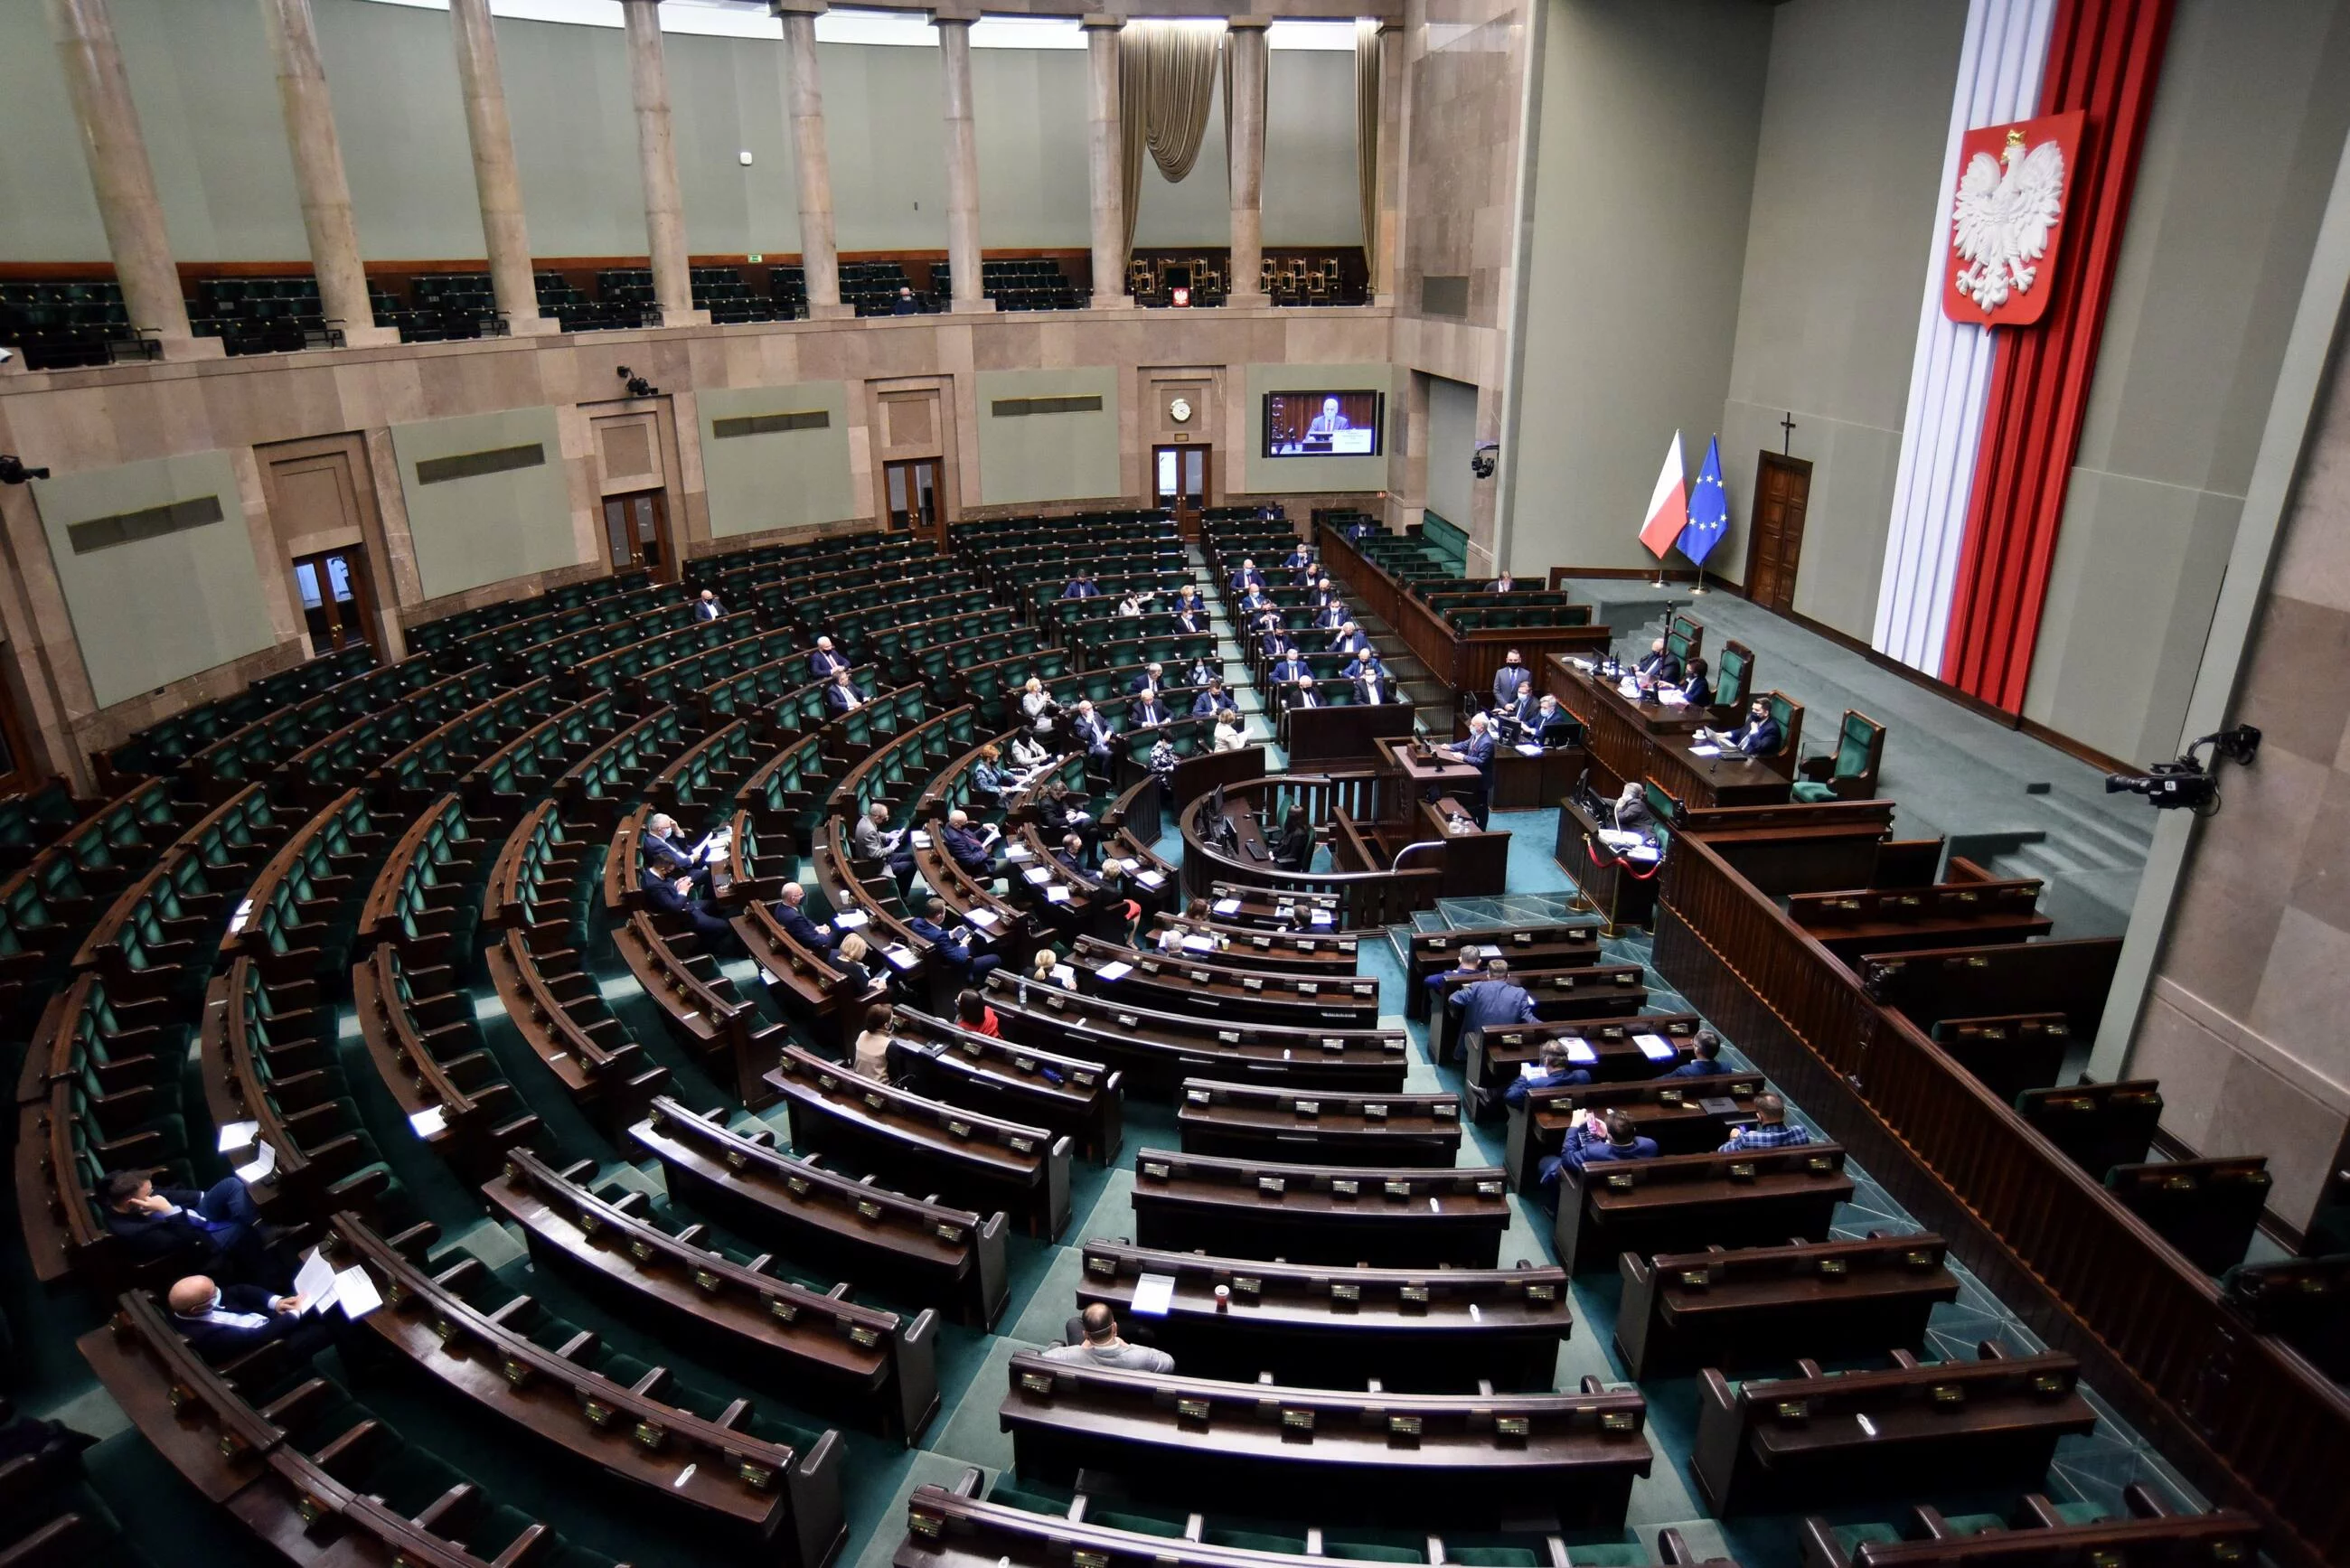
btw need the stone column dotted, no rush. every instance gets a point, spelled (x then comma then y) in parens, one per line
(495, 175)
(804, 105)
(318, 175)
(1394, 104)
(122, 177)
(1107, 158)
(657, 162)
(1245, 37)
(964, 257)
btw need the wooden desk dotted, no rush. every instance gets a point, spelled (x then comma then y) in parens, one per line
(1416, 1459)
(1399, 1218)
(1769, 1305)
(1342, 730)
(1953, 1426)
(1681, 1203)
(1413, 1329)
(1673, 1111)
(1423, 770)
(1249, 1121)
(1644, 741)
(1476, 859)
(1623, 891)
(1521, 782)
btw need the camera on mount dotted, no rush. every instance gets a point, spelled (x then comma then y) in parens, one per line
(2187, 785)
(14, 472)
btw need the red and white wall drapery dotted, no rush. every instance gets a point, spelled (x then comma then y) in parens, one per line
(1994, 416)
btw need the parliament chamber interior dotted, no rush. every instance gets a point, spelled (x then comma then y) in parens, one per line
(902, 786)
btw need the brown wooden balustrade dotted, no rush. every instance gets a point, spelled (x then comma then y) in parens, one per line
(1367, 898)
(1465, 660)
(2244, 1415)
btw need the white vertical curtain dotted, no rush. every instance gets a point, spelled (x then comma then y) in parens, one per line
(1166, 78)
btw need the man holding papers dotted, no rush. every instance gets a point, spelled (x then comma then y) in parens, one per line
(1555, 1067)
(1496, 1002)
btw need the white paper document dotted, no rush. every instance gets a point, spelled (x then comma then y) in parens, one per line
(1227, 906)
(984, 919)
(1057, 893)
(1150, 880)
(1063, 975)
(1114, 971)
(920, 839)
(849, 919)
(1706, 751)
(1196, 943)
(430, 1122)
(1671, 697)
(315, 1281)
(235, 1137)
(1037, 876)
(263, 1161)
(1153, 1294)
(355, 1293)
(1654, 1048)
(1579, 1051)
(901, 957)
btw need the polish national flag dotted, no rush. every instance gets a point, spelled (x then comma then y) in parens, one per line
(1668, 508)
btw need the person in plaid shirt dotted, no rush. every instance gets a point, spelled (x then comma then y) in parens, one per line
(1771, 1129)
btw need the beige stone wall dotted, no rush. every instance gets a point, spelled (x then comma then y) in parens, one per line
(2244, 1023)
(81, 420)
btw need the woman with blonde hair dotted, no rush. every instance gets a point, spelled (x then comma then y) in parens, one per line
(848, 958)
(1037, 705)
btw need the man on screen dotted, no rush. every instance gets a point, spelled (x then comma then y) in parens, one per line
(1329, 422)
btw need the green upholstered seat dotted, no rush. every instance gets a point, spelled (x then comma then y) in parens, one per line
(1810, 793)
(1372, 1551)
(1496, 1556)
(1254, 1541)
(1052, 1502)
(1141, 1521)
(2081, 1514)
(1851, 1537)
(1975, 1524)
(1609, 1555)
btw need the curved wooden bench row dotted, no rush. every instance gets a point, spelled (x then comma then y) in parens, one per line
(916, 1246)
(554, 1004)
(593, 658)
(944, 1061)
(412, 777)
(1158, 1050)
(407, 695)
(312, 1501)
(817, 1345)
(504, 783)
(1253, 1121)
(163, 746)
(301, 912)
(1411, 1329)
(1183, 983)
(421, 899)
(748, 1490)
(916, 1142)
(158, 937)
(1421, 1460)
(421, 1036)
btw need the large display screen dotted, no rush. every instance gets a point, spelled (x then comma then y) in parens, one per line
(1323, 424)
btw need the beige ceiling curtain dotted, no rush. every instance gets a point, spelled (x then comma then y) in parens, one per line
(1370, 43)
(1166, 80)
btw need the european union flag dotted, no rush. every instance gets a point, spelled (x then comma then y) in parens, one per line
(1709, 508)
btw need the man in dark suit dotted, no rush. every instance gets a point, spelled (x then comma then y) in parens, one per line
(1076, 587)
(707, 606)
(1191, 616)
(662, 835)
(1510, 678)
(1272, 638)
(221, 1224)
(1496, 1002)
(1247, 577)
(1292, 666)
(1146, 713)
(968, 849)
(842, 696)
(1512, 719)
(1554, 1068)
(1552, 725)
(952, 947)
(904, 303)
(1659, 668)
(1592, 1141)
(1212, 697)
(221, 1322)
(1330, 615)
(824, 664)
(1303, 694)
(1632, 813)
(1372, 682)
(1349, 639)
(1094, 733)
(1705, 1064)
(1758, 737)
(1149, 682)
(795, 923)
(669, 891)
(1477, 751)
(1297, 558)
(1071, 855)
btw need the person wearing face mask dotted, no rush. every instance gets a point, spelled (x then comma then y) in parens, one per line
(1758, 737)
(221, 1322)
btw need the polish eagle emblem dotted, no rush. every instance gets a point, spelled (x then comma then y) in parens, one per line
(2007, 209)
